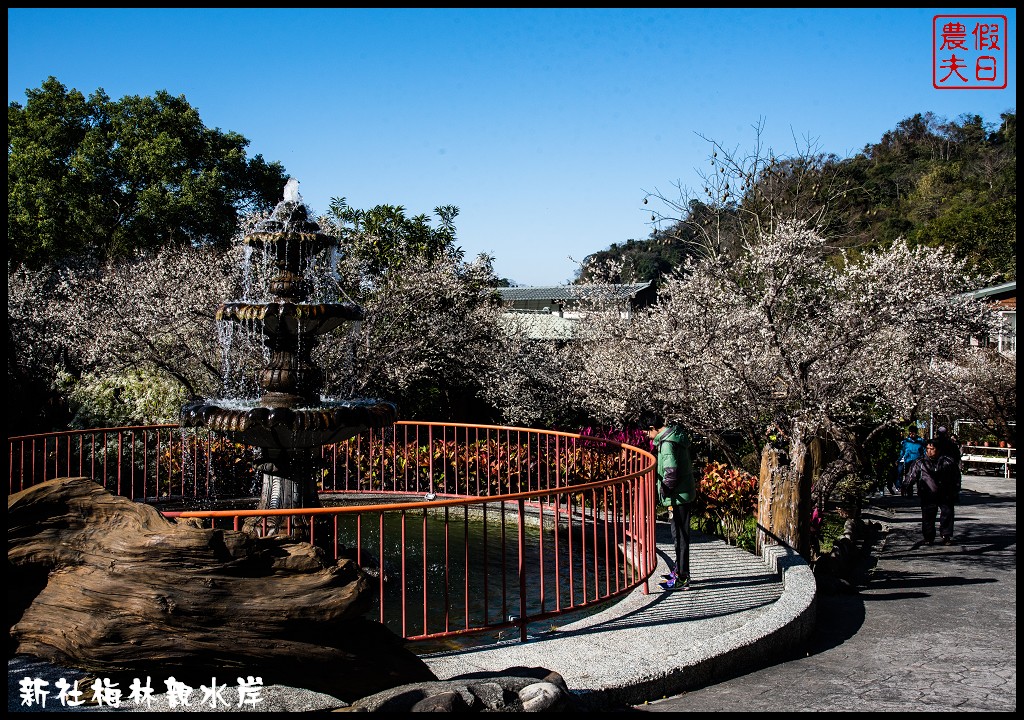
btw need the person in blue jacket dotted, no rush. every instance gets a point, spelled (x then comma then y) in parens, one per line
(911, 450)
(677, 489)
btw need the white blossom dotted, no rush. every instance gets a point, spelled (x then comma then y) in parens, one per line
(790, 336)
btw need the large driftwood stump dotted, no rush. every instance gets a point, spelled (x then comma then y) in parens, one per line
(99, 582)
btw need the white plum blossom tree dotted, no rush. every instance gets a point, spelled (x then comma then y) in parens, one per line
(745, 194)
(793, 341)
(427, 340)
(979, 383)
(145, 321)
(533, 381)
(106, 335)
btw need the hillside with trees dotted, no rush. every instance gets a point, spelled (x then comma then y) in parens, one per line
(930, 181)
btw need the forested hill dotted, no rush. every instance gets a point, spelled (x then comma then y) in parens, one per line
(932, 181)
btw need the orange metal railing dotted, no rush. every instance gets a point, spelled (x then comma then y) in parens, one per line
(465, 528)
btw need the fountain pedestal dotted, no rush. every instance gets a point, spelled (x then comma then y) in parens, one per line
(287, 481)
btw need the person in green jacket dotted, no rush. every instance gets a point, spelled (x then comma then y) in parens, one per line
(677, 489)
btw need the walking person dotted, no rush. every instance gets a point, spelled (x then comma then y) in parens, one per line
(938, 483)
(911, 450)
(948, 447)
(677, 489)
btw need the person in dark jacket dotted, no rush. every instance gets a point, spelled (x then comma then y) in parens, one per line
(938, 483)
(948, 447)
(677, 489)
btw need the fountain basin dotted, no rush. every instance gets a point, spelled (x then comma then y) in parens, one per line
(288, 428)
(289, 318)
(290, 244)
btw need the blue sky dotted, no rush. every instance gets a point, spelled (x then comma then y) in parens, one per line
(545, 127)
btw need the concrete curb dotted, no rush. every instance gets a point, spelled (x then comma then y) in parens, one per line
(772, 636)
(743, 613)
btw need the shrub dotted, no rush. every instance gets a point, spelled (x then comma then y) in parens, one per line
(726, 503)
(211, 466)
(135, 397)
(832, 528)
(637, 437)
(487, 466)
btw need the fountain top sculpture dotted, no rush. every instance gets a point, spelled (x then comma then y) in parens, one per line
(291, 191)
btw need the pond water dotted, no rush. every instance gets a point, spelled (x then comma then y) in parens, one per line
(463, 572)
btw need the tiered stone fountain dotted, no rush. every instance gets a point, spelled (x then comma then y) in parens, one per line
(290, 422)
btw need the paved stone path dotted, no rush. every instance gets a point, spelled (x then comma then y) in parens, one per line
(928, 628)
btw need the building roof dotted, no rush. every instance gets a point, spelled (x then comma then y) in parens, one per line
(572, 292)
(1006, 290)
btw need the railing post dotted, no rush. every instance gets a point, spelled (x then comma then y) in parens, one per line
(120, 435)
(522, 570)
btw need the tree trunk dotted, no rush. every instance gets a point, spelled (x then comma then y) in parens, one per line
(784, 498)
(102, 583)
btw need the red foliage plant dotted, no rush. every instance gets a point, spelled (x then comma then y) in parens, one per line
(725, 494)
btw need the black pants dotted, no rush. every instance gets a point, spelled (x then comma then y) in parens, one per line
(944, 509)
(681, 538)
